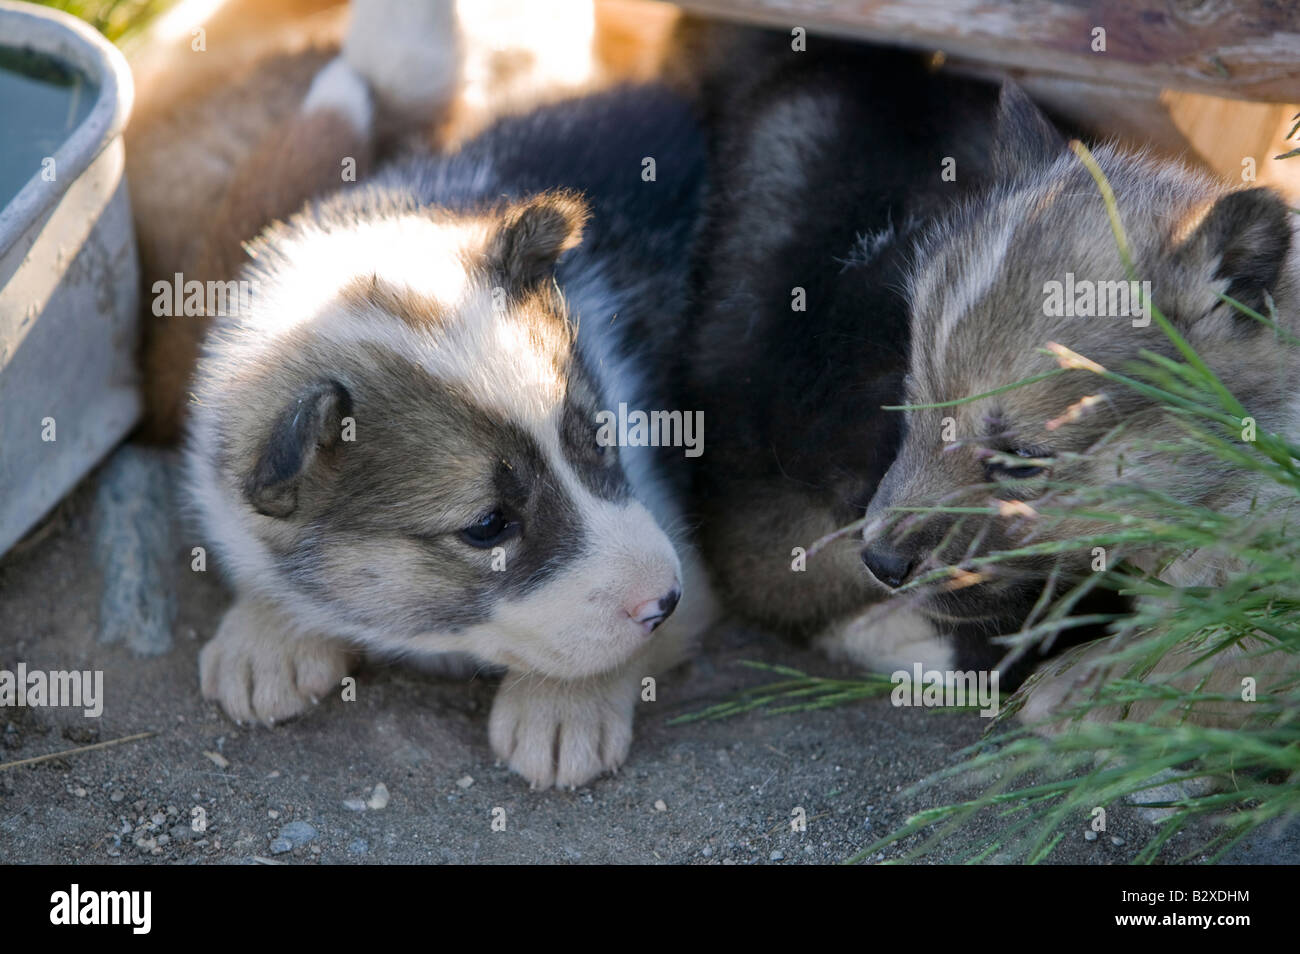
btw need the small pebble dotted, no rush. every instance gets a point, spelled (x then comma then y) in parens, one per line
(1089, 835)
(298, 833)
(378, 798)
(219, 760)
(272, 814)
(706, 851)
(776, 856)
(117, 795)
(1117, 841)
(280, 845)
(465, 781)
(354, 805)
(660, 805)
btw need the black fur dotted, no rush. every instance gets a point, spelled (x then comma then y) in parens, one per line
(798, 439)
(793, 399)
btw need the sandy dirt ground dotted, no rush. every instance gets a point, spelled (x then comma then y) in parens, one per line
(404, 774)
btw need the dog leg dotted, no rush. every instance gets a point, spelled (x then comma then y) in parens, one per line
(261, 670)
(564, 733)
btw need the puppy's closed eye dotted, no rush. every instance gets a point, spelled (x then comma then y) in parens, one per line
(1007, 465)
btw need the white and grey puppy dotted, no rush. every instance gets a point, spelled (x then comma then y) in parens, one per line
(395, 447)
(978, 323)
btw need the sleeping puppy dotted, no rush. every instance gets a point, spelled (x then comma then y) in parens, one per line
(394, 447)
(826, 164)
(980, 318)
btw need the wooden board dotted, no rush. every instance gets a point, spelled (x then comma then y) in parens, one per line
(1243, 49)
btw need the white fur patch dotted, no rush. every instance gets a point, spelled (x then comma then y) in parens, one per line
(408, 50)
(887, 637)
(337, 87)
(978, 268)
(412, 251)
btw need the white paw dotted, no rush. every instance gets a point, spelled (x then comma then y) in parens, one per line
(886, 637)
(260, 673)
(562, 734)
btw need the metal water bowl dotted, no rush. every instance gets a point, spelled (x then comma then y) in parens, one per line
(68, 270)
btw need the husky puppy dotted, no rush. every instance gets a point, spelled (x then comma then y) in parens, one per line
(826, 162)
(395, 447)
(980, 317)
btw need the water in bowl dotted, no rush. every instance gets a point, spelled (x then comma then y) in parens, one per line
(41, 101)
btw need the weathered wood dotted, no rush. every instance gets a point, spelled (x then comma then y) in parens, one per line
(1244, 49)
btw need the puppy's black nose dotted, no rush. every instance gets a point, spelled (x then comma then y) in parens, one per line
(888, 566)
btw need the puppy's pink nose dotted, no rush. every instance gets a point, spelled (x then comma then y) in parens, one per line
(653, 612)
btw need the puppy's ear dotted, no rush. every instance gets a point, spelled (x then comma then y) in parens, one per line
(1244, 238)
(531, 237)
(310, 425)
(1025, 139)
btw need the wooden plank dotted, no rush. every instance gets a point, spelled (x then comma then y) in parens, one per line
(1243, 49)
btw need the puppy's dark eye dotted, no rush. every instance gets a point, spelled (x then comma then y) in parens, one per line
(1001, 465)
(489, 530)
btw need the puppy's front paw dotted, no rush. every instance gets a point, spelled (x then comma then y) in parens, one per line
(259, 672)
(886, 637)
(563, 734)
